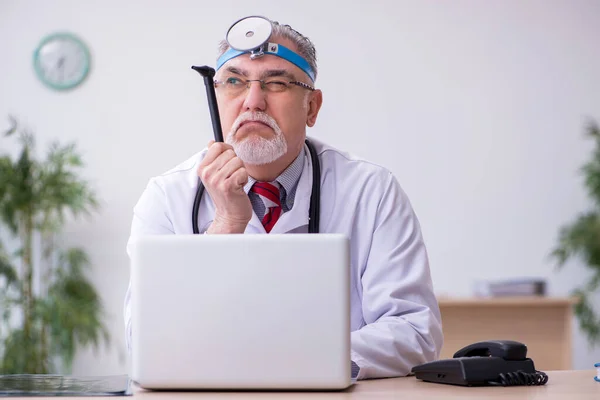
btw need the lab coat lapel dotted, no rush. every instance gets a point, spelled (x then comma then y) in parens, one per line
(255, 225)
(296, 219)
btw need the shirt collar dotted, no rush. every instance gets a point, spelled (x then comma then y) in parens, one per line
(288, 179)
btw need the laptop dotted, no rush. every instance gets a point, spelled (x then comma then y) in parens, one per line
(241, 312)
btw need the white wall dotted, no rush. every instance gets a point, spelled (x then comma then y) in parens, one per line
(476, 106)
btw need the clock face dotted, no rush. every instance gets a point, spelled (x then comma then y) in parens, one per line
(61, 61)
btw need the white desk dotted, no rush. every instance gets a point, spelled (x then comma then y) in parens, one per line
(563, 385)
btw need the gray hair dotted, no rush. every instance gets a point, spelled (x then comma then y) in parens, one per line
(305, 47)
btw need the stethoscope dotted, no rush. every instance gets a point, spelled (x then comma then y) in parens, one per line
(251, 35)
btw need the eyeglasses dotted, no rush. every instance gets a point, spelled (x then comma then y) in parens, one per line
(234, 86)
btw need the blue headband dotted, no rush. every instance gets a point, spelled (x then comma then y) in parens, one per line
(270, 48)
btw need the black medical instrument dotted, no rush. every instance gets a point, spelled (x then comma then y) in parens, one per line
(208, 73)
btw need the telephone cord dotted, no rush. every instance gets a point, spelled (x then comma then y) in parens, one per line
(521, 378)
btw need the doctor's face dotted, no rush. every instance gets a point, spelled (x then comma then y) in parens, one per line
(265, 122)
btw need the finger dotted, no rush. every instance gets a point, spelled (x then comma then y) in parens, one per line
(210, 173)
(239, 178)
(222, 160)
(210, 143)
(214, 151)
(230, 167)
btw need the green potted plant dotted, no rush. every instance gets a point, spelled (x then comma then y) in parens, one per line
(581, 239)
(49, 308)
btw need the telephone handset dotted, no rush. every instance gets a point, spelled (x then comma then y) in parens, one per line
(489, 363)
(506, 349)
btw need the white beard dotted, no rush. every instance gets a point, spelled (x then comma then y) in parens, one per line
(257, 150)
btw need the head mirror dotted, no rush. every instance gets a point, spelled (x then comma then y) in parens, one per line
(249, 33)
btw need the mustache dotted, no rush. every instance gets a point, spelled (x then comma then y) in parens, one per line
(258, 116)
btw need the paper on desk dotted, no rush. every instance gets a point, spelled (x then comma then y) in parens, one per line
(24, 385)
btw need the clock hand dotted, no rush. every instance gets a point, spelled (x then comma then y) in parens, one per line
(60, 65)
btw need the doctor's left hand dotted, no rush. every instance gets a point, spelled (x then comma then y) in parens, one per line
(224, 176)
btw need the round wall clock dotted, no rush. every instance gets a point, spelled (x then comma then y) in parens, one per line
(62, 61)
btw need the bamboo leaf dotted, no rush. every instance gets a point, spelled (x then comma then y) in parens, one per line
(588, 319)
(6, 269)
(13, 126)
(75, 304)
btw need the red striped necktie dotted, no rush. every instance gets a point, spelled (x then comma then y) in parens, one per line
(269, 194)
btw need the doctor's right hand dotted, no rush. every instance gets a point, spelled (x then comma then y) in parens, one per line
(224, 176)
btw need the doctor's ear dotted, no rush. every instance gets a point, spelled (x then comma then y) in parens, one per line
(314, 105)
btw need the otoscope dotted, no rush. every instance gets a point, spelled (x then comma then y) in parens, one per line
(208, 73)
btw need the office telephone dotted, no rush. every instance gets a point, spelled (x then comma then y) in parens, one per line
(489, 363)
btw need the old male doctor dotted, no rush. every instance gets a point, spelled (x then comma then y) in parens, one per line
(260, 180)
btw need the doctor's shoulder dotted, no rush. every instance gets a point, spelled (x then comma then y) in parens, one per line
(184, 173)
(354, 172)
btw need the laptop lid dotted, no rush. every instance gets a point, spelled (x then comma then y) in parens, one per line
(241, 311)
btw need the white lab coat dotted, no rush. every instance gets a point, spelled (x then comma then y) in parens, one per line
(395, 318)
